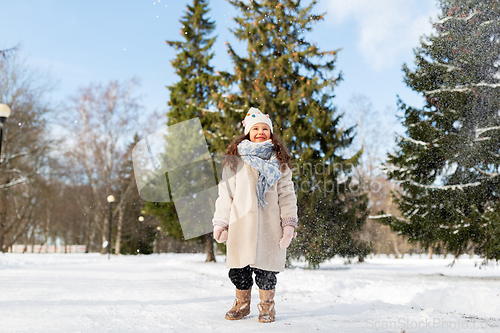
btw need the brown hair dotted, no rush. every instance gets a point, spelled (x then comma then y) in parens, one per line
(281, 152)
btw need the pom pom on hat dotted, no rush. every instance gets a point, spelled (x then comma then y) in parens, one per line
(254, 116)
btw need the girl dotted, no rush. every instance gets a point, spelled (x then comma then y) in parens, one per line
(256, 212)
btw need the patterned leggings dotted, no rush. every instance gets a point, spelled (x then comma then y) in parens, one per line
(242, 278)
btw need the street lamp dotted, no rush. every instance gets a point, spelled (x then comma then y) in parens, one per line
(4, 114)
(141, 219)
(110, 199)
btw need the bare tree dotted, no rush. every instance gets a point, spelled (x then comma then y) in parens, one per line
(26, 146)
(9, 52)
(375, 135)
(99, 123)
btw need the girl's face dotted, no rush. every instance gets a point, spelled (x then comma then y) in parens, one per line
(260, 132)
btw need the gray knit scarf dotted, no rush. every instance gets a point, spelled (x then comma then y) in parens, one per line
(261, 156)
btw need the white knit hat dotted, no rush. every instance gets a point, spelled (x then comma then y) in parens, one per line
(254, 116)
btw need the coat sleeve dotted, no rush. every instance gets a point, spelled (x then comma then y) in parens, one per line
(287, 200)
(227, 187)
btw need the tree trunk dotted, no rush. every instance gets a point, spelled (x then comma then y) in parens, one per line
(90, 236)
(395, 246)
(33, 240)
(3, 220)
(430, 252)
(25, 241)
(41, 246)
(47, 230)
(2, 238)
(119, 232)
(209, 246)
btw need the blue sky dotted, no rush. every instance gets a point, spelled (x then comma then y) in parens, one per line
(91, 41)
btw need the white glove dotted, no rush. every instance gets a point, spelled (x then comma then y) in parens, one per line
(288, 235)
(220, 234)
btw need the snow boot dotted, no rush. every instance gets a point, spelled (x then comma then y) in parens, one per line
(241, 305)
(266, 306)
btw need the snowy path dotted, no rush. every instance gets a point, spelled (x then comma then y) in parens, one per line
(181, 293)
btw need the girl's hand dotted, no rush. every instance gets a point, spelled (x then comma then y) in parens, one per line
(220, 234)
(288, 235)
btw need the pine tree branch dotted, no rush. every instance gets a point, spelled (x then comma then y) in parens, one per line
(449, 68)
(480, 131)
(490, 175)
(386, 168)
(208, 110)
(418, 142)
(486, 23)
(442, 187)
(375, 217)
(457, 18)
(462, 88)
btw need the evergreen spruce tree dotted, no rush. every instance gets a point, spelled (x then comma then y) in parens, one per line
(447, 163)
(191, 96)
(289, 78)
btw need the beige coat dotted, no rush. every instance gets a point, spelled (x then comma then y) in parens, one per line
(254, 233)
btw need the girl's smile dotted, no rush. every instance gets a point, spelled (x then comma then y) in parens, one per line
(260, 132)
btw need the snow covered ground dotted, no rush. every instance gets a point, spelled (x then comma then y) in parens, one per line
(182, 293)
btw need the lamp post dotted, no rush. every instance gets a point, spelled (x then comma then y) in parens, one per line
(110, 199)
(141, 219)
(158, 230)
(4, 114)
